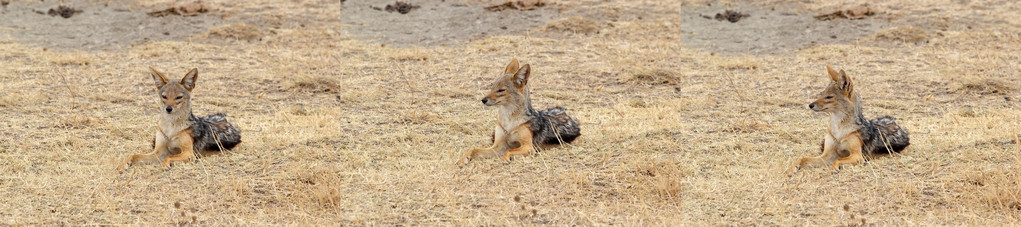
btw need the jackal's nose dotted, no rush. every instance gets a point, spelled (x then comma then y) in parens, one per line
(485, 100)
(170, 109)
(811, 105)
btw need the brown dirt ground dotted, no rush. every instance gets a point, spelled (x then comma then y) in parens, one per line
(98, 27)
(678, 128)
(441, 23)
(769, 29)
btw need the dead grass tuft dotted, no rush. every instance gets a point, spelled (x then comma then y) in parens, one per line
(1003, 191)
(240, 31)
(311, 84)
(979, 84)
(17, 99)
(70, 59)
(323, 187)
(574, 24)
(746, 126)
(79, 121)
(412, 54)
(902, 33)
(417, 117)
(737, 63)
(653, 76)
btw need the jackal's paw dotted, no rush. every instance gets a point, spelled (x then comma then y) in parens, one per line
(506, 160)
(791, 171)
(835, 169)
(464, 161)
(165, 165)
(123, 166)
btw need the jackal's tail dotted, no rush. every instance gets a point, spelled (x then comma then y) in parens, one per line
(226, 135)
(566, 128)
(892, 137)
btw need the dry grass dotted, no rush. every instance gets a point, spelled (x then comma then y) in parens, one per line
(902, 33)
(236, 31)
(340, 130)
(575, 24)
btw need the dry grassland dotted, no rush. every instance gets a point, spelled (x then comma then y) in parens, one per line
(342, 130)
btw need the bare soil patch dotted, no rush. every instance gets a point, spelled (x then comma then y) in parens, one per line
(769, 29)
(97, 26)
(437, 22)
(444, 23)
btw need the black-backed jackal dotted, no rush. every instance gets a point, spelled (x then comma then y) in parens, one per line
(179, 133)
(520, 130)
(851, 137)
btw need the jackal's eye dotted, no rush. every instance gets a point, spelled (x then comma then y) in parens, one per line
(829, 97)
(501, 90)
(163, 96)
(180, 96)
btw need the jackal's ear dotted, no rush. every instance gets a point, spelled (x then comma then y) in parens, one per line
(521, 77)
(512, 67)
(189, 79)
(845, 82)
(833, 73)
(158, 77)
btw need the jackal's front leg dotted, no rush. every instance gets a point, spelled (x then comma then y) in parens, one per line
(159, 148)
(856, 156)
(187, 146)
(499, 145)
(829, 153)
(523, 136)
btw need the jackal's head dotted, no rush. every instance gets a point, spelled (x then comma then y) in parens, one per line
(176, 97)
(838, 96)
(509, 88)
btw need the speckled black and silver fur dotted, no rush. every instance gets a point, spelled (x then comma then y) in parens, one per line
(553, 125)
(883, 136)
(208, 130)
(550, 127)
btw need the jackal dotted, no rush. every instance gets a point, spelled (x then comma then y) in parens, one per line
(851, 137)
(520, 130)
(179, 133)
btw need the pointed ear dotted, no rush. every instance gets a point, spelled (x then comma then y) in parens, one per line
(845, 83)
(521, 77)
(833, 73)
(158, 77)
(512, 67)
(189, 79)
